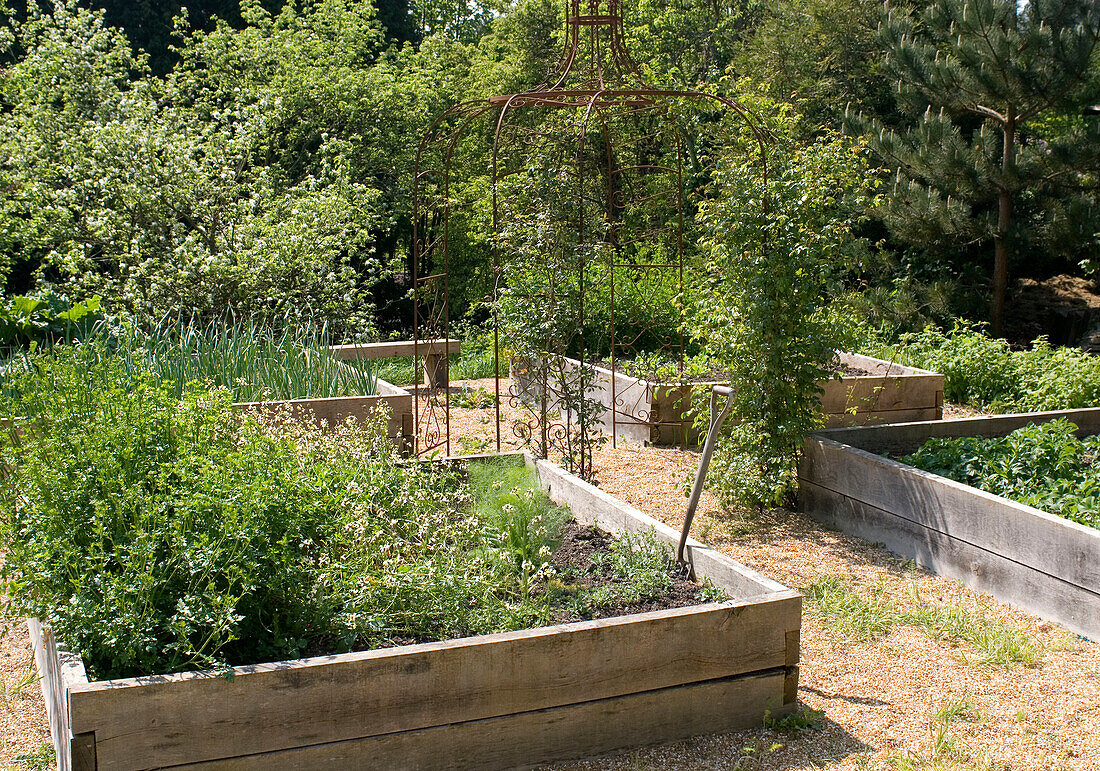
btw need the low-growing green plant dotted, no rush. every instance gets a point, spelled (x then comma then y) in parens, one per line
(40, 760)
(523, 527)
(984, 372)
(854, 616)
(472, 398)
(157, 534)
(802, 719)
(1043, 465)
(642, 564)
(947, 751)
(836, 604)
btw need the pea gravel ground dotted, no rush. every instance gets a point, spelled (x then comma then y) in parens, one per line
(905, 701)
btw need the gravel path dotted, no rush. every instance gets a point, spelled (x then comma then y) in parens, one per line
(906, 700)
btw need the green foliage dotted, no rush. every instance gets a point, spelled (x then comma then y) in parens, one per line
(773, 248)
(41, 759)
(525, 528)
(641, 566)
(258, 177)
(158, 534)
(858, 616)
(1043, 465)
(820, 55)
(995, 149)
(155, 534)
(253, 363)
(986, 373)
(45, 318)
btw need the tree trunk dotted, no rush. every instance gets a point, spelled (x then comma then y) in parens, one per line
(1004, 222)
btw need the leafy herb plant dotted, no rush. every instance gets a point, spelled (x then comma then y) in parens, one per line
(1045, 465)
(157, 534)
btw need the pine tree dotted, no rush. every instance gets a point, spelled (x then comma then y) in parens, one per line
(999, 150)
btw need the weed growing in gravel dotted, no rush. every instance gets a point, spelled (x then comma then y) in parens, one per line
(995, 643)
(17, 688)
(839, 608)
(946, 750)
(802, 719)
(40, 760)
(858, 618)
(472, 398)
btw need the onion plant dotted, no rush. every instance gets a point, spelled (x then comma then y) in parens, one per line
(253, 362)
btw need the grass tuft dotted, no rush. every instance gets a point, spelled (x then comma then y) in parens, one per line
(854, 617)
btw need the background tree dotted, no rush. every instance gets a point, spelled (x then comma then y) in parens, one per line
(998, 151)
(818, 55)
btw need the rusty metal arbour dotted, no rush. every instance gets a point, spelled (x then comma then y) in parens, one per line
(589, 179)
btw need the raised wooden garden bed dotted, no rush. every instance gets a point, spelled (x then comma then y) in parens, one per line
(494, 701)
(1021, 555)
(434, 353)
(338, 409)
(657, 412)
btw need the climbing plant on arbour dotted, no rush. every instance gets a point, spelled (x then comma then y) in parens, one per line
(773, 254)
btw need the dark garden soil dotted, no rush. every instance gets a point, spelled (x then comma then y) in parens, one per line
(575, 555)
(576, 561)
(1066, 309)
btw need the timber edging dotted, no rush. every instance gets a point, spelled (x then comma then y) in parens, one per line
(1021, 555)
(660, 413)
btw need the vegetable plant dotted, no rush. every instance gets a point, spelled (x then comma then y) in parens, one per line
(156, 532)
(1044, 465)
(985, 372)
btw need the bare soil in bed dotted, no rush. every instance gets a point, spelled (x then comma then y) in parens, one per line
(580, 545)
(879, 701)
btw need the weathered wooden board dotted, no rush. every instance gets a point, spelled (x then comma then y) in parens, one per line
(388, 350)
(338, 409)
(1078, 609)
(1021, 555)
(553, 734)
(659, 413)
(183, 718)
(903, 439)
(1021, 533)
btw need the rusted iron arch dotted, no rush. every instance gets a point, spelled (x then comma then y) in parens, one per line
(429, 430)
(596, 77)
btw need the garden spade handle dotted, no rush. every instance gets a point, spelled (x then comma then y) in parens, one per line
(704, 463)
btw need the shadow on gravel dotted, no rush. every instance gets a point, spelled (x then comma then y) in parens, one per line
(811, 739)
